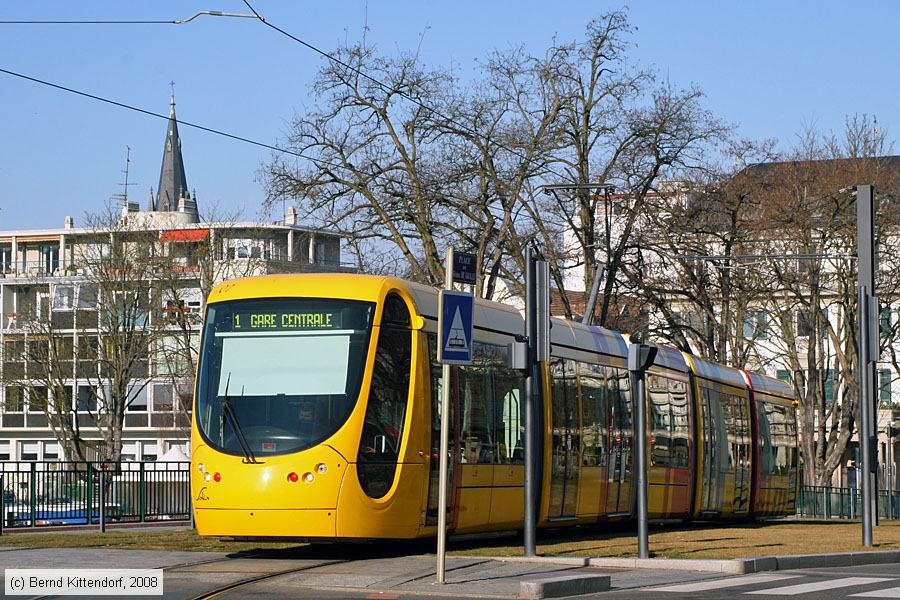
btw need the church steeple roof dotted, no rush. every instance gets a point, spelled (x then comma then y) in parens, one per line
(172, 181)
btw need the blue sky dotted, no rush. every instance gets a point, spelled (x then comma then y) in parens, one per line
(769, 67)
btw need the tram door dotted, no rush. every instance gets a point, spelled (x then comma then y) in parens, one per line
(619, 490)
(431, 512)
(566, 441)
(714, 452)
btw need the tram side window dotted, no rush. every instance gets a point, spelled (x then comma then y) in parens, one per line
(767, 449)
(593, 415)
(619, 386)
(388, 397)
(681, 424)
(781, 427)
(437, 389)
(475, 391)
(660, 421)
(793, 461)
(728, 416)
(718, 430)
(508, 395)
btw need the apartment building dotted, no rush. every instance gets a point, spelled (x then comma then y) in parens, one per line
(48, 273)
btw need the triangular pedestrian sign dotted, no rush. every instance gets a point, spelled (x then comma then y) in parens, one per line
(455, 327)
(457, 340)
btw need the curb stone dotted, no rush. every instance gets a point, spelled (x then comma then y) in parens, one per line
(560, 587)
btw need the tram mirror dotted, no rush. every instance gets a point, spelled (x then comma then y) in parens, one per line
(418, 322)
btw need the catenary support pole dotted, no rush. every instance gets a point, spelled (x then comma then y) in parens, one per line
(640, 416)
(530, 533)
(445, 445)
(865, 248)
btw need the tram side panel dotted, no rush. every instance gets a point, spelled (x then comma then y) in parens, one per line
(381, 493)
(724, 458)
(774, 447)
(670, 457)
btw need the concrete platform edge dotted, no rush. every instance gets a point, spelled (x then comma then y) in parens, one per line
(562, 587)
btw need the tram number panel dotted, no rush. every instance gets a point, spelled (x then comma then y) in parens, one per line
(286, 320)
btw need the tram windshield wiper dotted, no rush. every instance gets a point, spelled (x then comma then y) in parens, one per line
(228, 410)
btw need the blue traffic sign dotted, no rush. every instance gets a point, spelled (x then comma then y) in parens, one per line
(455, 324)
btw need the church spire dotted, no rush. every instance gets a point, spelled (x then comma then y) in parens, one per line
(172, 181)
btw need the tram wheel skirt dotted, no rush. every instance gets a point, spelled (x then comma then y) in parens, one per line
(266, 522)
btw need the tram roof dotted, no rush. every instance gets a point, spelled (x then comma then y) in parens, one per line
(670, 358)
(769, 385)
(588, 337)
(717, 372)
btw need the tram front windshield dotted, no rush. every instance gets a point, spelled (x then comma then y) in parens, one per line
(280, 375)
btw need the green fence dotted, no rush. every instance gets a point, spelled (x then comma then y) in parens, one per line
(39, 494)
(843, 503)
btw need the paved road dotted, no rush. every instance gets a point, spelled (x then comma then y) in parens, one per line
(867, 581)
(367, 572)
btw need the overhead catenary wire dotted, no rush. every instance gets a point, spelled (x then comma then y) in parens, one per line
(149, 22)
(383, 85)
(211, 13)
(166, 117)
(197, 126)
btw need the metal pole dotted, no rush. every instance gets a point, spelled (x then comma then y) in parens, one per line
(588, 317)
(640, 416)
(865, 250)
(103, 498)
(865, 409)
(530, 525)
(445, 445)
(2, 504)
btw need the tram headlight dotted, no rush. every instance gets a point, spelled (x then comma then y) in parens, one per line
(207, 477)
(200, 467)
(308, 477)
(321, 468)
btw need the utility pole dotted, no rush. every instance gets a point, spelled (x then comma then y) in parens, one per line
(640, 357)
(867, 307)
(537, 334)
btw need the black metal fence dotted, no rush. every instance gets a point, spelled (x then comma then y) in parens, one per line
(843, 503)
(36, 494)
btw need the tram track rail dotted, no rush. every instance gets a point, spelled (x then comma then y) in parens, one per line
(243, 583)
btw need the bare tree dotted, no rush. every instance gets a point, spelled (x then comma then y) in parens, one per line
(102, 333)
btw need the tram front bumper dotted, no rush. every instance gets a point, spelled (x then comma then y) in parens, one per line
(266, 523)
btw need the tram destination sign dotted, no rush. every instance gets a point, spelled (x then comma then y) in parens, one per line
(465, 267)
(286, 320)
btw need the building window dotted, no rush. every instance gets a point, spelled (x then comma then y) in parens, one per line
(51, 451)
(129, 450)
(87, 296)
(4, 450)
(37, 399)
(15, 399)
(162, 398)
(884, 386)
(5, 259)
(29, 451)
(63, 297)
(87, 399)
(137, 399)
(828, 382)
(149, 451)
(884, 320)
(804, 324)
(755, 325)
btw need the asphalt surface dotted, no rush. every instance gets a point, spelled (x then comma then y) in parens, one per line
(374, 573)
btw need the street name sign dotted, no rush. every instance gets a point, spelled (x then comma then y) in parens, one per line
(465, 267)
(455, 325)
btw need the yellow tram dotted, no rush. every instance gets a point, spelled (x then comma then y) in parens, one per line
(316, 416)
